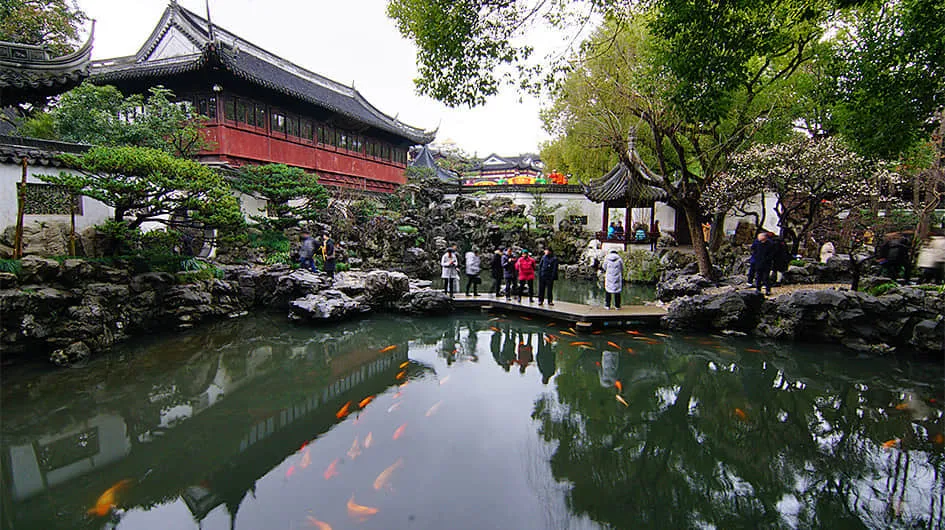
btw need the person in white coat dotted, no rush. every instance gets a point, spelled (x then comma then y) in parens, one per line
(931, 259)
(472, 271)
(613, 278)
(450, 264)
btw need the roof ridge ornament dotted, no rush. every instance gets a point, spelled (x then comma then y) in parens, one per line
(209, 24)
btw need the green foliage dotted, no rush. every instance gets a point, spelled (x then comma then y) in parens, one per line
(101, 115)
(568, 154)
(40, 125)
(279, 257)
(512, 224)
(271, 240)
(887, 75)
(52, 23)
(407, 229)
(342, 267)
(293, 195)
(196, 269)
(160, 241)
(146, 184)
(798, 262)
(641, 266)
(881, 289)
(363, 210)
(10, 265)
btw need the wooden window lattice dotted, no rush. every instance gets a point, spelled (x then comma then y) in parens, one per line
(50, 199)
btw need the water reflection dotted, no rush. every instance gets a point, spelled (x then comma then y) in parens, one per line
(258, 424)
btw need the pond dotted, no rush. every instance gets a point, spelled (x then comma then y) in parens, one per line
(470, 421)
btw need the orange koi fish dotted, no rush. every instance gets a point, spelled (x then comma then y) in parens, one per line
(622, 400)
(741, 414)
(888, 444)
(434, 408)
(364, 402)
(665, 336)
(444, 380)
(355, 450)
(630, 351)
(552, 324)
(368, 440)
(939, 438)
(402, 385)
(902, 406)
(580, 343)
(613, 344)
(550, 339)
(384, 478)
(404, 364)
(393, 407)
(633, 332)
(597, 332)
(619, 386)
(332, 469)
(400, 431)
(109, 499)
(398, 395)
(343, 411)
(568, 333)
(289, 472)
(526, 318)
(401, 374)
(493, 328)
(644, 339)
(320, 525)
(360, 513)
(392, 347)
(585, 347)
(306, 459)
(752, 350)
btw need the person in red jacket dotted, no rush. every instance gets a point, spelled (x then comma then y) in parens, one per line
(526, 275)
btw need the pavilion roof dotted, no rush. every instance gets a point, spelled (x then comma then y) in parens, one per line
(184, 42)
(425, 159)
(623, 184)
(29, 74)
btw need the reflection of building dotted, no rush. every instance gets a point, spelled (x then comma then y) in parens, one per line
(262, 108)
(523, 169)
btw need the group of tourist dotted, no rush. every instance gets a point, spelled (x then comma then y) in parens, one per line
(770, 256)
(615, 231)
(326, 249)
(893, 256)
(518, 270)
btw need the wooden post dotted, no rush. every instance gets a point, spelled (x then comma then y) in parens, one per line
(606, 219)
(72, 199)
(20, 212)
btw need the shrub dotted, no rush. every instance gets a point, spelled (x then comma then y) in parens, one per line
(407, 229)
(881, 289)
(271, 240)
(641, 266)
(798, 262)
(279, 257)
(342, 267)
(10, 265)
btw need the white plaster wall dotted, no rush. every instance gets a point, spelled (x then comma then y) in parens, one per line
(250, 206)
(762, 202)
(93, 212)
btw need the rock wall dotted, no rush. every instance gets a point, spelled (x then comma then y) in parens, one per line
(902, 318)
(70, 311)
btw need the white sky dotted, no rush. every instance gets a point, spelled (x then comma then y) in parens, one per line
(345, 40)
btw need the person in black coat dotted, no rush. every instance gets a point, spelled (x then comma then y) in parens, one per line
(495, 268)
(547, 274)
(509, 272)
(782, 258)
(764, 261)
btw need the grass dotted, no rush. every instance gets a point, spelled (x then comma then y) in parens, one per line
(10, 265)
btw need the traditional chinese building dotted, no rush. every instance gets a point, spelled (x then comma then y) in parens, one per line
(30, 74)
(263, 109)
(495, 169)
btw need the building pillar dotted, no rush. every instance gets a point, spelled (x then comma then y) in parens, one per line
(627, 225)
(606, 218)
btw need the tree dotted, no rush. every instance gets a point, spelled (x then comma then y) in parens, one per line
(695, 81)
(292, 195)
(887, 75)
(148, 185)
(814, 180)
(101, 115)
(52, 23)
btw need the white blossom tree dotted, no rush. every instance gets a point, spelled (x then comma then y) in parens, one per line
(816, 181)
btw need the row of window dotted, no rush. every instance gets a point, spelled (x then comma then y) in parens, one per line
(242, 110)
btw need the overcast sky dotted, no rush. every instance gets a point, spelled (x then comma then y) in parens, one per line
(345, 40)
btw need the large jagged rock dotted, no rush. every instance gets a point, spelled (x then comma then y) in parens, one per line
(41, 238)
(34, 269)
(384, 286)
(681, 285)
(730, 310)
(75, 353)
(424, 302)
(327, 306)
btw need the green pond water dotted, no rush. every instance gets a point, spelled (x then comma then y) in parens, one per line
(488, 424)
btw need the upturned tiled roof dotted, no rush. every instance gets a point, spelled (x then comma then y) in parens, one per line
(251, 63)
(622, 183)
(425, 159)
(527, 161)
(37, 152)
(29, 73)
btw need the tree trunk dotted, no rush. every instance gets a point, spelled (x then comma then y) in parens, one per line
(717, 236)
(694, 218)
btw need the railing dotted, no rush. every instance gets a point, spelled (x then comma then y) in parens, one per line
(514, 188)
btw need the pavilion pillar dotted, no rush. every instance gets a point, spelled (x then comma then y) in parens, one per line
(627, 220)
(652, 213)
(606, 218)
